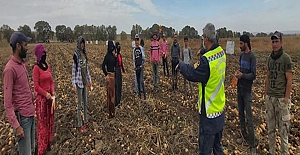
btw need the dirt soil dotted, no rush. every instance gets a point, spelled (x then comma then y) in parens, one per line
(164, 123)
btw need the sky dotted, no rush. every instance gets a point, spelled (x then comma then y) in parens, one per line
(237, 15)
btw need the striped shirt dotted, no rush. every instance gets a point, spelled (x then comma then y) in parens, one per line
(154, 51)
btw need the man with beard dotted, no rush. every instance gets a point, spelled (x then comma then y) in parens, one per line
(18, 99)
(245, 75)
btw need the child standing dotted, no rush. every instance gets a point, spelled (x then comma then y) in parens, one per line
(187, 58)
(138, 63)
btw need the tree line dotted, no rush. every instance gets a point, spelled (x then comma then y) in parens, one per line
(224, 33)
(44, 32)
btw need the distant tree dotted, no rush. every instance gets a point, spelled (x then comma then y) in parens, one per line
(27, 31)
(248, 33)
(111, 32)
(261, 34)
(236, 34)
(154, 29)
(43, 30)
(78, 31)
(136, 29)
(229, 34)
(61, 33)
(123, 35)
(190, 32)
(6, 32)
(270, 34)
(101, 33)
(69, 34)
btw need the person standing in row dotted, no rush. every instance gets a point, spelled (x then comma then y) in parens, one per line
(81, 79)
(187, 58)
(18, 98)
(141, 45)
(154, 59)
(164, 55)
(175, 54)
(278, 86)
(118, 72)
(44, 86)
(138, 63)
(245, 75)
(108, 67)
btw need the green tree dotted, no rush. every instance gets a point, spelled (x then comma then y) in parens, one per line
(101, 33)
(236, 34)
(6, 32)
(111, 32)
(61, 33)
(190, 32)
(69, 34)
(43, 30)
(248, 33)
(261, 34)
(78, 31)
(27, 31)
(123, 35)
(136, 29)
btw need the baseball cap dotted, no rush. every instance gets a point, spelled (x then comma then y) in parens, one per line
(136, 36)
(276, 35)
(18, 37)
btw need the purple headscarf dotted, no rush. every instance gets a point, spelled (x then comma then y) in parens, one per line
(39, 51)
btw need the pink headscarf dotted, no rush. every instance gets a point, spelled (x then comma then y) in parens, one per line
(39, 51)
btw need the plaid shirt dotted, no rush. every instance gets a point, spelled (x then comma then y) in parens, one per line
(76, 76)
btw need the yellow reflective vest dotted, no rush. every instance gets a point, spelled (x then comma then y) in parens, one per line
(214, 98)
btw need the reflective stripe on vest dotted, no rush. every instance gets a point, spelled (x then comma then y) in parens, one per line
(214, 98)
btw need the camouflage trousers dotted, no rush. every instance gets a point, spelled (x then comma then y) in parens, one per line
(278, 113)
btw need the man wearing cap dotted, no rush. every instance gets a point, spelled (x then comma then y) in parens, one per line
(278, 85)
(245, 75)
(209, 72)
(18, 99)
(138, 63)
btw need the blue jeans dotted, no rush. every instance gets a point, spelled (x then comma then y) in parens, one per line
(26, 145)
(246, 121)
(141, 82)
(209, 143)
(82, 103)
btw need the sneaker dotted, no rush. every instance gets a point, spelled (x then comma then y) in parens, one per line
(82, 129)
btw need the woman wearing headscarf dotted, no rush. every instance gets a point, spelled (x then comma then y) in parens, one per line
(108, 67)
(45, 99)
(119, 68)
